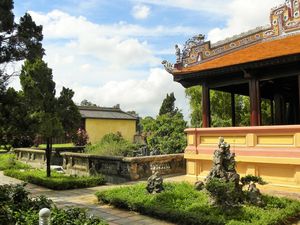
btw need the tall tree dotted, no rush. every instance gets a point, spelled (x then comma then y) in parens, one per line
(17, 41)
(194, 95)
(168, 105)
(68, 112)
(39, 88)
(17, 128)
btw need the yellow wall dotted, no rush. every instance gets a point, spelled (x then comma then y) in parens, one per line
(97, 128)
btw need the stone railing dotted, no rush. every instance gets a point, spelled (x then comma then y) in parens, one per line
(37, 158)
(120, 169)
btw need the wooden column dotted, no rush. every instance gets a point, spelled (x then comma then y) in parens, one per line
(272, 111)
(298, 99)
(254, 94)
(233, 122)
(205, 106)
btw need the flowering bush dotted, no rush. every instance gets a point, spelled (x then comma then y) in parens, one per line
(80, 138)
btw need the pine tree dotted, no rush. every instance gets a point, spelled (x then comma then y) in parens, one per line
(39, 89)
(168, 105)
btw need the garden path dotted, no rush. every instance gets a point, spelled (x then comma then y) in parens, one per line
(85, 198)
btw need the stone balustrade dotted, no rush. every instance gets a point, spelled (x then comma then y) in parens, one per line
(115, 168)
(120, 169)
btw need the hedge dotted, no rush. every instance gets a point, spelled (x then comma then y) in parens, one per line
(56, 181)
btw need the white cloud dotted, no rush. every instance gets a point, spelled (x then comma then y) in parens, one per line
(217, 6)
(58, 24)
(243, 16)
(140, 11)
(239, 15)
(144, 96)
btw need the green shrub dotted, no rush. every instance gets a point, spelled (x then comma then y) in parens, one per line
(112, 145)
(75, 215)
(225, 194)
(181, 204)
(80, 138)
(8, 161)
(56, 181)
(16, 207)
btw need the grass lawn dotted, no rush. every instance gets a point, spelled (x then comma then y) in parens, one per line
(57, 181)
(8, 161)
(57, 145)
(181, 204)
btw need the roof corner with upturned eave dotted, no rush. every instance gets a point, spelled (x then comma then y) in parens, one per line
(279, 39)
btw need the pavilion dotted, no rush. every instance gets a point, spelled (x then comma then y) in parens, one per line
(263, 63)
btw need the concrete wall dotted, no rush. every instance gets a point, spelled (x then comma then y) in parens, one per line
(97, 128)
(272, 152)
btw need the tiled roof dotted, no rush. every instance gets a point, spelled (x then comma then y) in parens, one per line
(266, 50)
(104, 113)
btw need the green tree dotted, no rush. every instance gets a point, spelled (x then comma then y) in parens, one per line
(194, 95)
(16, 130)
(165, 133)
(86, 103)
(220, 108)
(168, 105)
(68, 112)
(17, 41)
(39, 89)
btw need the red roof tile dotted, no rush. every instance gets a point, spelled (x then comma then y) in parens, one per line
(261, 51)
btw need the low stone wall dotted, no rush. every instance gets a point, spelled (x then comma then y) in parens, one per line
(120, 169)
(37, 158)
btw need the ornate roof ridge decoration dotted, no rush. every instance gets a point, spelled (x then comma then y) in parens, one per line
(284, 21)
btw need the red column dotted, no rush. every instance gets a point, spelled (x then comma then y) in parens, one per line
(205, 106)
(254, 94)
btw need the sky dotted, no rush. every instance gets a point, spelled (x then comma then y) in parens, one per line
(110, 51)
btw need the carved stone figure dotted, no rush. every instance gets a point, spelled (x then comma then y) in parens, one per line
(178, 54)
(155, 184)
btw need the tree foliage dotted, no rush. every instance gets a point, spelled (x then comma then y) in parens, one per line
(16, 129)
(220, 108)
(86, 103)
(194, 95)
(166, 132)
(168, 105)
(17, 41)
(68, 112)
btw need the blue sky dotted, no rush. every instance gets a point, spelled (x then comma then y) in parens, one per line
(110, 51)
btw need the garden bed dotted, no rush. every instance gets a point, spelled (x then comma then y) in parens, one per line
(57, 181)
(181, 204)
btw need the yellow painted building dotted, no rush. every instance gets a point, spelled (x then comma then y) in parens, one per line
(98, 121)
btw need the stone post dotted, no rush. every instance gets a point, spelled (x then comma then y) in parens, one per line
(44, 216)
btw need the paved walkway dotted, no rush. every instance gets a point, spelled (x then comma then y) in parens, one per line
(86, 198)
